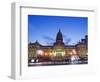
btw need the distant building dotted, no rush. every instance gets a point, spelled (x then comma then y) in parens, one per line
(59, 51)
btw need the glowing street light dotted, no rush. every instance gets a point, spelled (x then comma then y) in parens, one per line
(39, 52)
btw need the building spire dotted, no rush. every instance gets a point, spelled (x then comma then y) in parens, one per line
(59, 30)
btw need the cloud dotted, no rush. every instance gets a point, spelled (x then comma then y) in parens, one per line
(67, 40)
(50, 41)
(48, 38)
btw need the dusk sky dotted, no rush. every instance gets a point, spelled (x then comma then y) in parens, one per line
(45, 28)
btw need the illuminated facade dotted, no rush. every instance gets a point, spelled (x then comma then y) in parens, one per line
(59, 50)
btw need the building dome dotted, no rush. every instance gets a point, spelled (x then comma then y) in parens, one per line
(59, 37)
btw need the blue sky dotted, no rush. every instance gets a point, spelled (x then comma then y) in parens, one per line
(45, 28)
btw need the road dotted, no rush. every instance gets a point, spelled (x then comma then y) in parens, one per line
(49, 63)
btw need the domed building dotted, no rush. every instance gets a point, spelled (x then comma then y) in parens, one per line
(59, 51)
